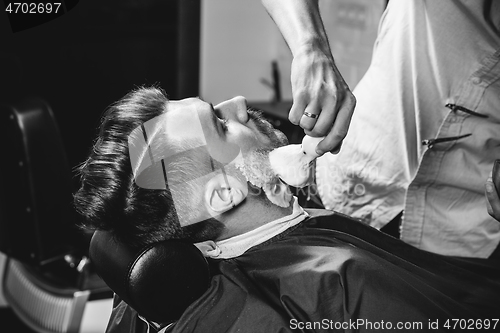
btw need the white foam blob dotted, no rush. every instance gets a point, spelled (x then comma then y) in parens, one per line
(293, 163)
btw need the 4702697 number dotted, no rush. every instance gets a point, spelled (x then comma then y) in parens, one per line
(471, 324)
(33, 7)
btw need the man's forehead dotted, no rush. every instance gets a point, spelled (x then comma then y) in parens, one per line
(181, 121)
(177, 106)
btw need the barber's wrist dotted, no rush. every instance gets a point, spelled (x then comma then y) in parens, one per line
(311, 46)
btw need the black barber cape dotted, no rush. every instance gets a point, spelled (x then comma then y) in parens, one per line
(335, 274)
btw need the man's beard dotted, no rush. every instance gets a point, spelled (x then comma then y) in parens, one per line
(277, 137)
(257, 170)
(256, 166)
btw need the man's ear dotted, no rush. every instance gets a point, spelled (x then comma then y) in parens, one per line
(223, 193)
(278, 193)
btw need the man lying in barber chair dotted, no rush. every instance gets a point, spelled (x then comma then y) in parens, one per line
(185, 170)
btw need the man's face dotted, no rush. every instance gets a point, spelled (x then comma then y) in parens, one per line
(194, 146)
(228, 125)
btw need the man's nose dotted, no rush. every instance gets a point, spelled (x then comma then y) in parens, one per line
(234, 108)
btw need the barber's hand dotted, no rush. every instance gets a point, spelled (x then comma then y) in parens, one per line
(322, 102)
(493, 196)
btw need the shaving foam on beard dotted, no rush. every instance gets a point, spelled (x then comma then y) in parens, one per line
(293, 163)
(258, 171)
(256, 168)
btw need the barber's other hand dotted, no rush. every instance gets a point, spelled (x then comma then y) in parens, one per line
(493, 196)
(319, 89)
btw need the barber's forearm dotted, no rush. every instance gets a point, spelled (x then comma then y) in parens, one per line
(300, 23)
(322, 102)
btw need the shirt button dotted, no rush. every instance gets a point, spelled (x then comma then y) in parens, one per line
(476, 80)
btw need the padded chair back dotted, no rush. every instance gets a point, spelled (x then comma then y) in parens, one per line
(158, 281)
(47, 281)
(36, 221)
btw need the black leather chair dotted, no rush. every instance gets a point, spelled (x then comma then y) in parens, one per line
(158, 281)
(48, 279)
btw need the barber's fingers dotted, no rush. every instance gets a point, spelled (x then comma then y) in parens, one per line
(493, 199)
(338, 131)
(300, 101)
(326, 117)
(310, 116)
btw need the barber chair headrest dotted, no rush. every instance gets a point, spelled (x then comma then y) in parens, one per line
(158, 281)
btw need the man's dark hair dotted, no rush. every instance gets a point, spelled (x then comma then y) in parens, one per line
(109, 198)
